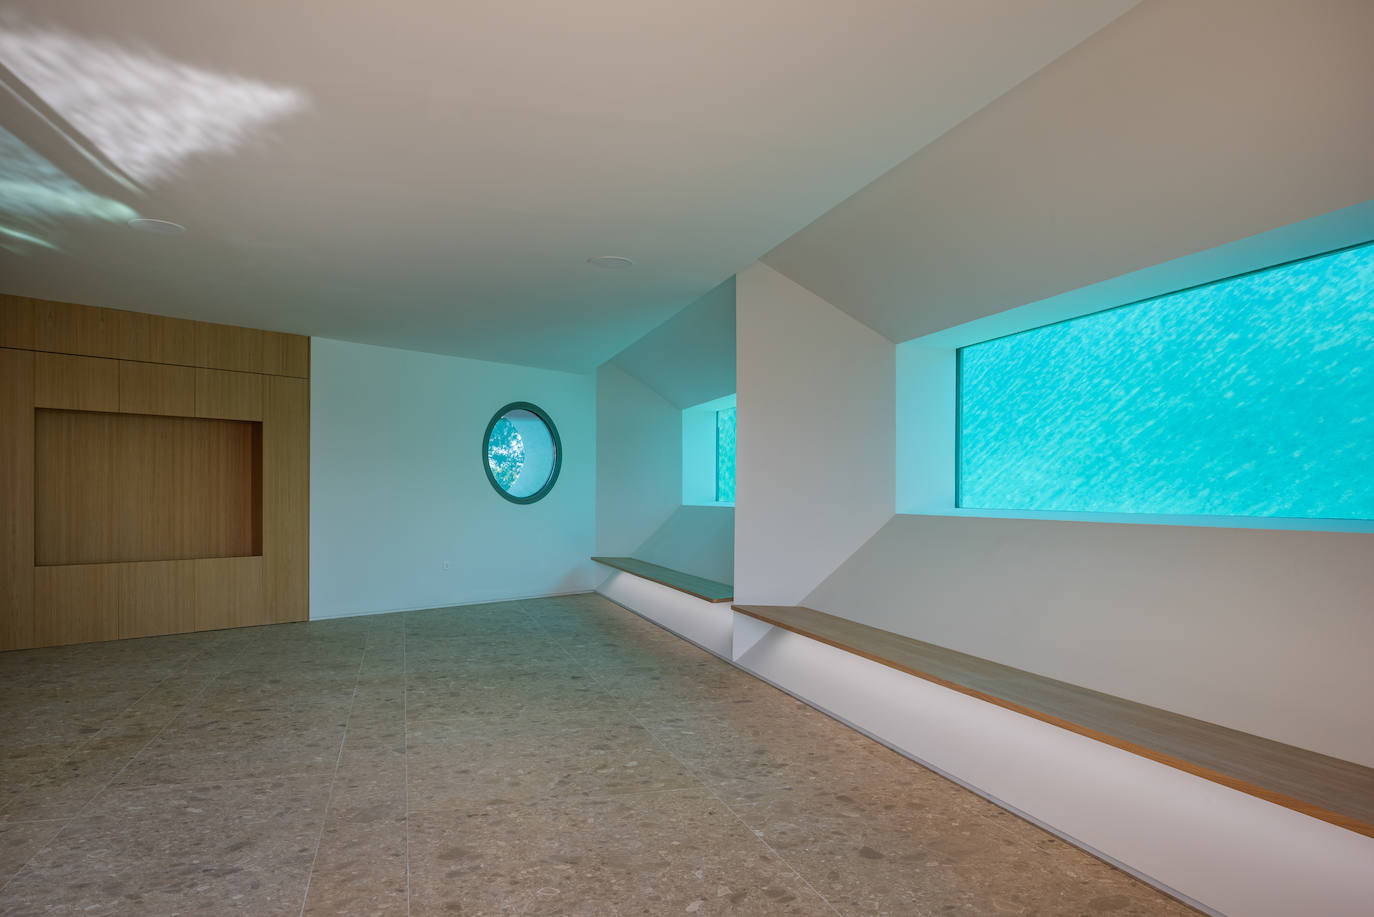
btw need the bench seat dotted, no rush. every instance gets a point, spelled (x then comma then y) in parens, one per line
(697, 586)
(1333, 790)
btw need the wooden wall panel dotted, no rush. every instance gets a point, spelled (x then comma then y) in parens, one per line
(229, 347)
(233, 396)
(94, 331)
(113, 488)
(62, 327)
(155, 472)
(226, 489)
(77, 604)
(229, 592)
(285, 354)
(16, 499)
(74, 487)
(17, 323)
(286, 498)
(104, 397)
(153, 388)
(156, 338)
(75, 383)
(155, 598)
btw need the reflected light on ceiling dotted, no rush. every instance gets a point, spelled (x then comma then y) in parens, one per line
(146, 113)
(35, 194)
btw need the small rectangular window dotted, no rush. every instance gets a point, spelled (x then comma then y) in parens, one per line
(1249, 396)
(725, 456)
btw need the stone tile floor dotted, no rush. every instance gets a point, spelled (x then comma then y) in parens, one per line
(549, 757)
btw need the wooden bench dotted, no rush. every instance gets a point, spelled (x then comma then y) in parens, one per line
(1323, 787)
(707, 590)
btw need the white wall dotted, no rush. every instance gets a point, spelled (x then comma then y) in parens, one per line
(695, 539)
(638, 461)
(397, 485)
(815, 443)
(1262, 631)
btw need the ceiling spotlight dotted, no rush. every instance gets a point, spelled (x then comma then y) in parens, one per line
(161, 227)
(611, 262)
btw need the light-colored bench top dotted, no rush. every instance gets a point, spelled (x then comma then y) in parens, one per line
(1323, 787)
(706, 589)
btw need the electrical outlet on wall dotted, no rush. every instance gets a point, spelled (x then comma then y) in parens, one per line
(444, 565)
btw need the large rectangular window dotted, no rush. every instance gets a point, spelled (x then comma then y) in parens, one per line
(725, 456)
(1250, 396)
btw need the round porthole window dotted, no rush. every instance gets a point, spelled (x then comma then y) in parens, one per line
(521, 452)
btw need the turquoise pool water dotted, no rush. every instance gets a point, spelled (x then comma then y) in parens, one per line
(725, 456)
(1253, 396)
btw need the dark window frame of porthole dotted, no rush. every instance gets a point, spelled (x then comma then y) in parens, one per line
(539, 412)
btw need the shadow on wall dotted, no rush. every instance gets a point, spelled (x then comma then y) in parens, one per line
(699, 540)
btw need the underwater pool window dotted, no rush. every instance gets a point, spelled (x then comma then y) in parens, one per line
(1248, 396)
(725, 456)
(521, 452)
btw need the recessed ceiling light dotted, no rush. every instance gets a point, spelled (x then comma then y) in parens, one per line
(611, 262)
(161, 227)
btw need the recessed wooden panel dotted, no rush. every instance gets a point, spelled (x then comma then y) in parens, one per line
(108, 513)
(286, 498)
(75, 383)
(156, 338)
(16, 499)
(17, 322)
(153, 388)
(233, 396)
(130, 487)
(229, 593)
(77, 604)
(156, 598)
(63, 327)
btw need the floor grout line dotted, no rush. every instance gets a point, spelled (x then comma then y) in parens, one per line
(117, 774)
(338, 761)
(592, 673)
(87, 741)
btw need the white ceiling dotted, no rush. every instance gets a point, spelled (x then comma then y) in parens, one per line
(1178, 128)
(433, 175)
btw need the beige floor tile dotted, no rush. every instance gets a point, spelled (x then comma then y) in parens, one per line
(361, 870)
(226, 847)
(65, 790)
(546, 757)
(678, 852)
(21, 840)
(472, 774)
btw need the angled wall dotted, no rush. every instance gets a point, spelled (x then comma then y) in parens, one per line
(690, 358)
(699, 540)
(639, 461)
(814, 470)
